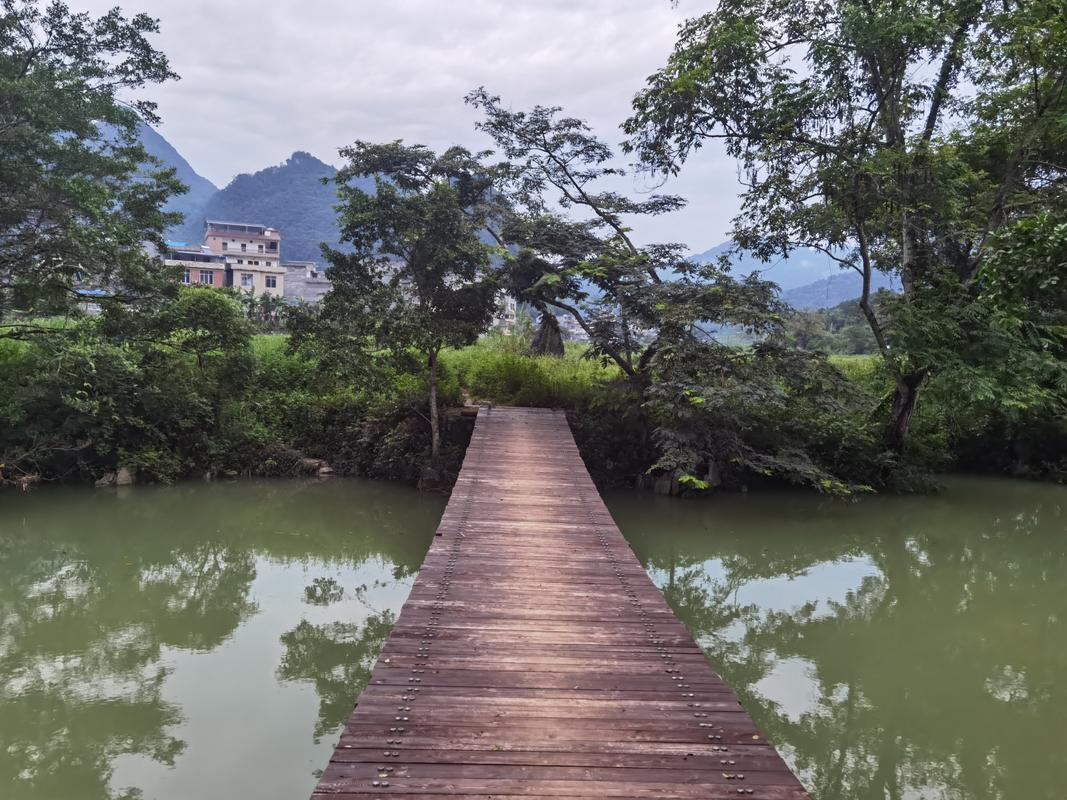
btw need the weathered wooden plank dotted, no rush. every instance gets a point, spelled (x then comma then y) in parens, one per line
(522, 788)
(742, 759)
(338, 775)
(534, 657)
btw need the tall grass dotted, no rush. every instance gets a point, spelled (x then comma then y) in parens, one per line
(493, 370)
(866, 370)
(269, 344)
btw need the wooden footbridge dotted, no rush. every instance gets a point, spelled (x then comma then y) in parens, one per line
(535, 658)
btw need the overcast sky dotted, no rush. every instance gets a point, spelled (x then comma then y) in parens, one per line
(260, 80)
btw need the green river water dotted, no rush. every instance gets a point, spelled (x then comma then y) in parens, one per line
(208, 640)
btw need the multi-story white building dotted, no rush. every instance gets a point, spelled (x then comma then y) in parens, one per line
(252, 254)
(507, 309)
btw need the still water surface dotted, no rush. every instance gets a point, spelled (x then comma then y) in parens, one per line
(198, 641)
(899, 647)
(202, 639)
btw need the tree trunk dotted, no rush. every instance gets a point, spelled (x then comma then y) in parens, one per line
(435, 422)
(548, 341)
(904, 399)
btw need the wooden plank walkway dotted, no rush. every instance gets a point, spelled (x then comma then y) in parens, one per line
(535, 658)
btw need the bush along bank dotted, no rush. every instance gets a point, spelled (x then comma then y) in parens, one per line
(828, 415)
(190, 392)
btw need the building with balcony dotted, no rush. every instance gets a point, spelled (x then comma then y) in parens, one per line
(252, 254)
(198, 264)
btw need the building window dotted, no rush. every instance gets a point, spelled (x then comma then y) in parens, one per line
(225, 246)
(272, 282)
(244, 247)
(246, 280)
(255, 263)
(261, 248)
(240, 261)
(187, 276)
(207, 277)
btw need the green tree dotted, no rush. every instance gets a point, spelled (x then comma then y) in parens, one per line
(557, 162)
(270, 307)
(898, 136)
(418, 275)
(249, 303)
(202, 321)
(76, 204)
(145, 390)
(807, 329)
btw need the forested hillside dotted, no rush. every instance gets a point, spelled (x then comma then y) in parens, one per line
(291, 197)
(841, 287)
(200, 188)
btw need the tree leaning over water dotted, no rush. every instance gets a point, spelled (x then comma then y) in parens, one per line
(908, 137)
(716, 414)
(76, 204)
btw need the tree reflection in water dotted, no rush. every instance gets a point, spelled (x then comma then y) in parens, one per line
(930, 631)
(101, 592)
(337, 658)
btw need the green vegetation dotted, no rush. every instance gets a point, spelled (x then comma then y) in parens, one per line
(909, 137)
(693, 378)
(418, 275)
(498, 369)
(76, 206)
(841, 330)
(189, 390)
(195, 391)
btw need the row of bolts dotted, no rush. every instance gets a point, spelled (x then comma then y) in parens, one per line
(423, 654)
(672, 670)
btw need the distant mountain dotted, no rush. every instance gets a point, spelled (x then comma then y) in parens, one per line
(200, 188)
(290, 197)
(842, 287)
(809, 280)
(803, 266)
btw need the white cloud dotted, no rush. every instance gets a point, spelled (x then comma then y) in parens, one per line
(260, 80)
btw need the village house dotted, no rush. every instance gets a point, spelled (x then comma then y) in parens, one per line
(198, 264)
(305, 280)
(251, 254)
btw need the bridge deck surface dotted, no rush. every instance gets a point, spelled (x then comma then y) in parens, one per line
(535, 658)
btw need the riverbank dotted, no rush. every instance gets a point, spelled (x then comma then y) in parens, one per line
(87, 407)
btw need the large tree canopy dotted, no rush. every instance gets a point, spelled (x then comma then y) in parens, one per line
(898, 136)
(76, 205)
